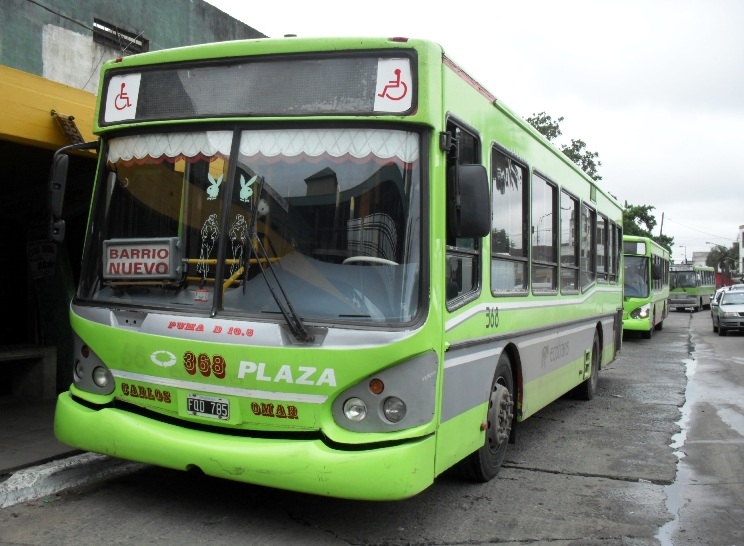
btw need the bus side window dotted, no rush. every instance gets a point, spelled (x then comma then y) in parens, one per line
(463, 276)
(510, 225)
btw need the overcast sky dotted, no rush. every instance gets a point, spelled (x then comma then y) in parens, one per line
(655, 87)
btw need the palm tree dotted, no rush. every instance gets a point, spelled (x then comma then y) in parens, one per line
(724, 259)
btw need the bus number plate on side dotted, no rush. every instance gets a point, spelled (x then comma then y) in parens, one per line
(208, 406)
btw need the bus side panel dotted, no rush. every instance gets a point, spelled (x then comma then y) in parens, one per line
(551, 362)
(466, 382)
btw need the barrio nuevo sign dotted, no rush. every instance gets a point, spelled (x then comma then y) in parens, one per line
(141, 258)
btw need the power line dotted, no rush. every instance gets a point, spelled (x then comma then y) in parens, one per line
(698, 230)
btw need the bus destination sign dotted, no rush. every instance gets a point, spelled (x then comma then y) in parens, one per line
(141, 259)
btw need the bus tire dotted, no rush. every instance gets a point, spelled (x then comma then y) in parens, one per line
(485, 463)
(648, 334)
(659, 326)
(587, 389)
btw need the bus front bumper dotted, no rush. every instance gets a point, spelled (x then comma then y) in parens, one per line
(684, 302)
(307, 466)
(636, 325)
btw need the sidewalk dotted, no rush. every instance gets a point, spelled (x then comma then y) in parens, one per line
(27, 434)
(33, 463)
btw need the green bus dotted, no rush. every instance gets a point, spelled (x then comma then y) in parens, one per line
(333, 266)
(645, 285)
(691, 286)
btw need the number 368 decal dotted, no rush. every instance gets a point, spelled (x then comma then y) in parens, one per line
(492, 317)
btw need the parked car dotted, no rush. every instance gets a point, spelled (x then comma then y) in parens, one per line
(714, 299)
(729, 313)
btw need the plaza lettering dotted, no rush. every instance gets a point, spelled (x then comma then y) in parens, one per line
(303, 375)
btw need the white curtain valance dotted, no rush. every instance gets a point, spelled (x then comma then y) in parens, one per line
(358, 143)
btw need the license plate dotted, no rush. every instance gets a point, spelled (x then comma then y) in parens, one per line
(208, 406)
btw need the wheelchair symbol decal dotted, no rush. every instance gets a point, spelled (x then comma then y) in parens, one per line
(122, 97)
(121, 100)
(395, 89)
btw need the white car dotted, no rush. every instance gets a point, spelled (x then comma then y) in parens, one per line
(728, 312)
(715, 298)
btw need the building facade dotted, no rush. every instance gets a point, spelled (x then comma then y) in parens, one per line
(51, 52)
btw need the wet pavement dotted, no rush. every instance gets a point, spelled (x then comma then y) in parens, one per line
(707, 496)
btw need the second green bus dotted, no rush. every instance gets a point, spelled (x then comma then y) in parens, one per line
(645, 285)
(692, 286)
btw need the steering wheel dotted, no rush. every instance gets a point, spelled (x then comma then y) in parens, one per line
(372, 259)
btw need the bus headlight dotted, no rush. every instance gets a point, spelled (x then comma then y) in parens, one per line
(642, 312)
(394, 409)
(355, 409)
(100, 376)
(90, 373)
(396, 398)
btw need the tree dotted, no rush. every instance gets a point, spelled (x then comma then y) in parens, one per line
(724, 259)
(545, 125)
(583, 158)
(576, 151)
(637, 219)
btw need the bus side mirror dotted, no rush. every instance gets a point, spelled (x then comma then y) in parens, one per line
(57, 183)
(468, 201)
(656, 272)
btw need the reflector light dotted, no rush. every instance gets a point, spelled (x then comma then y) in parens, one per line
(376, 386)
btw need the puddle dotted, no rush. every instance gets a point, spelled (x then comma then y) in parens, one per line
(674, 500)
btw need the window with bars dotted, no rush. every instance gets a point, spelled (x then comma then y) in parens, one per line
(122, 40)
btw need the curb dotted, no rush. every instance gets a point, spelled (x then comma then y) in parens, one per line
(47, 479)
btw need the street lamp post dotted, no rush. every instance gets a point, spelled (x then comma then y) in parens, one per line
(685, 247)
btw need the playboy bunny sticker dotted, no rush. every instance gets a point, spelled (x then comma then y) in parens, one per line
(245, 188)
(214, 190)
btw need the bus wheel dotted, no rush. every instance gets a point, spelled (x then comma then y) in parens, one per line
(588, 388)
(484, 464)
(648, 334)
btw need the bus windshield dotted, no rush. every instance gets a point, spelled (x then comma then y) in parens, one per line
(328, 218)
(635, 283)
(683, 279)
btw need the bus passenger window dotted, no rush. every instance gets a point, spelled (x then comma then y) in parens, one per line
(463, 253)
(509, 238)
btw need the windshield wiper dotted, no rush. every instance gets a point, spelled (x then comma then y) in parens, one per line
(293, 320)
